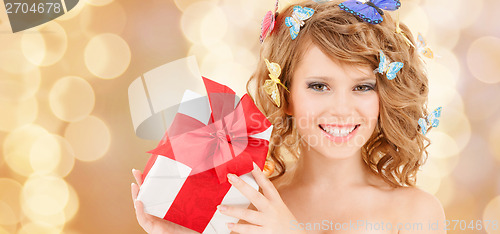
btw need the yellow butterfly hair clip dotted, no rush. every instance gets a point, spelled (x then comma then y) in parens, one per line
(271, 86)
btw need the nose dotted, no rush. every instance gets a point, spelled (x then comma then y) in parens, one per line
(341, 104)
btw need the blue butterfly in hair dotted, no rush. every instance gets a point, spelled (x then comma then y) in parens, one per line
(296, 21)
(385, 66)
(370, 11)
(430, 121)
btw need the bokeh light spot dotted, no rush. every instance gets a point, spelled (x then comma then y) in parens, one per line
(483, 58)
(107, 56)
(90, 138)
(192, 20)
(72, 98)
(45, 46)
(44, 195)
(17, 147)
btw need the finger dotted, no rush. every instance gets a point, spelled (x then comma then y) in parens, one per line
(135, 191)
(267, 186)
(138, 176)
(145, 223)
(245, 228)
(251, 216)
(260, 202)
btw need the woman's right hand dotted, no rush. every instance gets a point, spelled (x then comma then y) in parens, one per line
(150, 223)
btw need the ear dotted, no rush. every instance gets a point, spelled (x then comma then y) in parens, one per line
(288, 108)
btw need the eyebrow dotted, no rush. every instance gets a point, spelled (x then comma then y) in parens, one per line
(358, 79)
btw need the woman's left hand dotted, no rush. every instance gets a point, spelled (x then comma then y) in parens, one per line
(272, 215)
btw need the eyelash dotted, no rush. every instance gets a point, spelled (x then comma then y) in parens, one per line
(315, 84)
(365, 87)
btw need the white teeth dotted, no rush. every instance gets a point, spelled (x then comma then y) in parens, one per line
(338, 132)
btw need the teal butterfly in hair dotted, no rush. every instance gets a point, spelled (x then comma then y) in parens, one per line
(430, 121)
(385, 66)
(296, 21)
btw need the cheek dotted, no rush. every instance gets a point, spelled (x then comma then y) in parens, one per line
(370, 108)
(301, 105)
(304, 111)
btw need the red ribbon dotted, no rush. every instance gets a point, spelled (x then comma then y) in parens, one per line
(222, 146)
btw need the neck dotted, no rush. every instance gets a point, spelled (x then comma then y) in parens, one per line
(314, 169)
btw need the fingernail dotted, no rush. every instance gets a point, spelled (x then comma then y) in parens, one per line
(230, 225)
(133, 169)
(221, 208)
(132, 184)
(232, 177)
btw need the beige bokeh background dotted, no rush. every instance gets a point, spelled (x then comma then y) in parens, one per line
(67, 145)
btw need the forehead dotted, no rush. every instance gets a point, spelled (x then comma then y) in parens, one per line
(315, 63)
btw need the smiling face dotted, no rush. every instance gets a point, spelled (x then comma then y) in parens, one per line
(335, 105)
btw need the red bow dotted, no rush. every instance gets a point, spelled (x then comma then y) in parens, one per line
(223, 143)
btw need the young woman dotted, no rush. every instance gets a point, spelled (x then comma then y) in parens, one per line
(353, 131)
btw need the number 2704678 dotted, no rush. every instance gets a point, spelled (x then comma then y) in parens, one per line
(33, 8)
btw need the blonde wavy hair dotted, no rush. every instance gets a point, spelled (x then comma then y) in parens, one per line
(396, 149)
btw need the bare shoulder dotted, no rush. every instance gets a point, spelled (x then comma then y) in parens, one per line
(417, 201)
(418, 206)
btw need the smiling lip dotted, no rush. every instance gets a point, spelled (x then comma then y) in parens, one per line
(339, 139)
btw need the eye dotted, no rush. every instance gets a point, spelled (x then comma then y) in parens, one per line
(364, 87)
(320, 87)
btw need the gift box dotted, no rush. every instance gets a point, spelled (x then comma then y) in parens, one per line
(210, 136)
